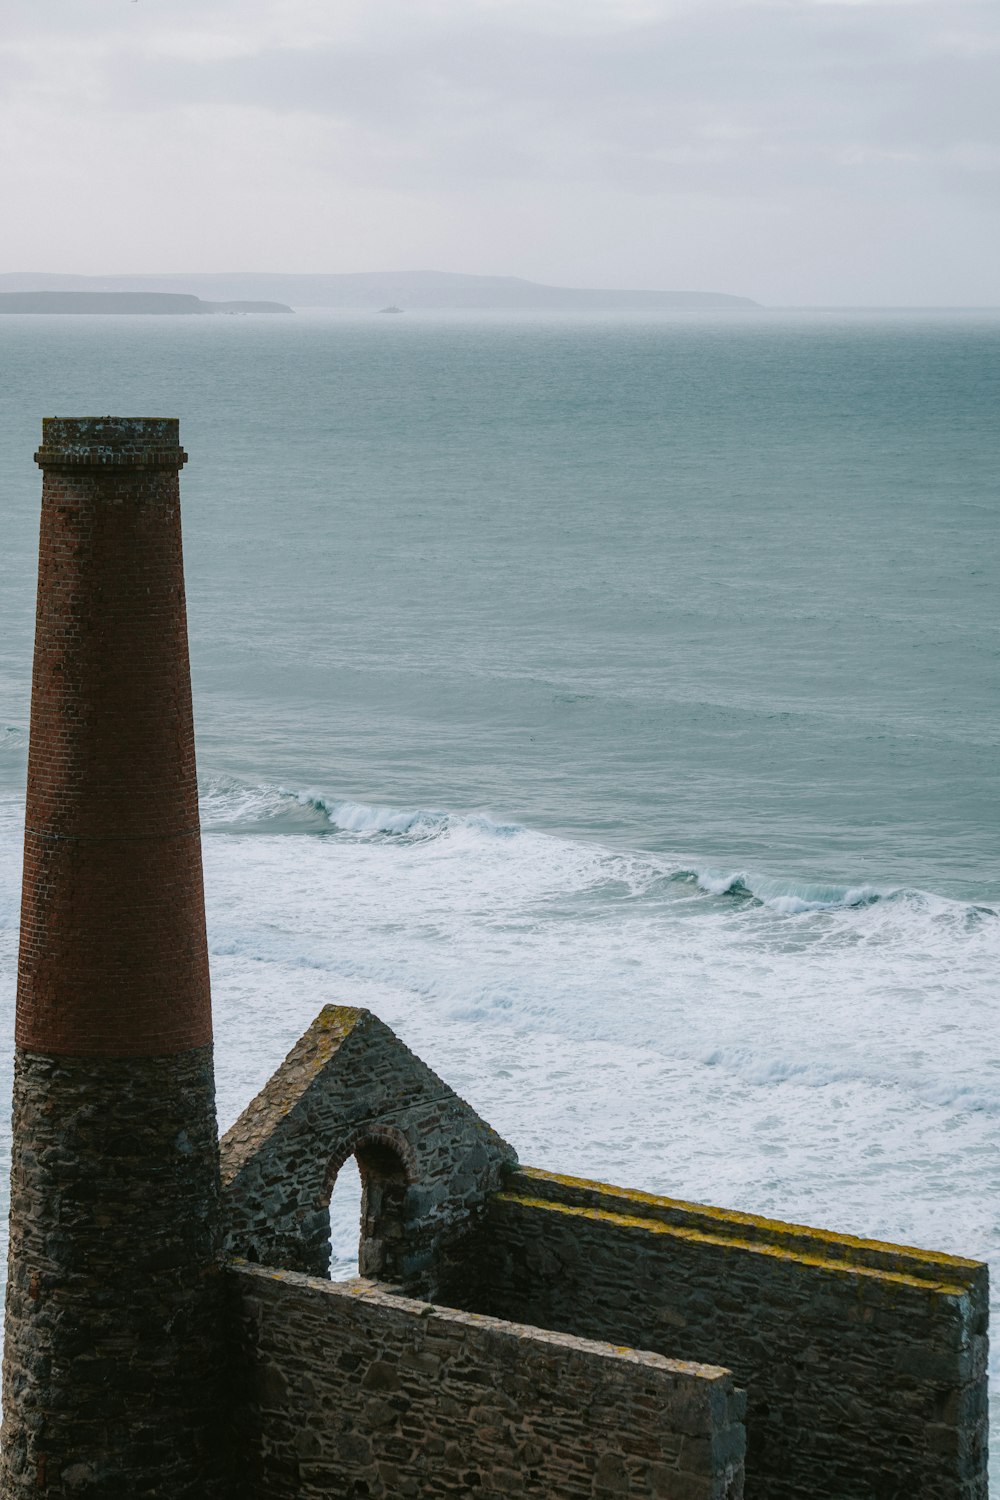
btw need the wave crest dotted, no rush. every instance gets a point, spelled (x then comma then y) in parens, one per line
(231, 806)
(788, 897)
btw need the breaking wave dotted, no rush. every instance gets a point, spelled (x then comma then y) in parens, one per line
(231, 806)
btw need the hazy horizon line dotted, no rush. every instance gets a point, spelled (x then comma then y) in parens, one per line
(851, 306)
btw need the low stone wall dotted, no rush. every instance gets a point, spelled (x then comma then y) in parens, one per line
(864, 1364)
(353, 1391)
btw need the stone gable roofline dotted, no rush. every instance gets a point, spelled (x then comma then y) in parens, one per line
(348, 1087)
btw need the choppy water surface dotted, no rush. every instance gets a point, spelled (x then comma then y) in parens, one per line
(610, 706)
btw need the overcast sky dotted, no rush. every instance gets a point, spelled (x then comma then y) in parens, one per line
(796, 151)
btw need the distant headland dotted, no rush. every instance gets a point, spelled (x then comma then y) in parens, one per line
(426, 291)
(126, 302)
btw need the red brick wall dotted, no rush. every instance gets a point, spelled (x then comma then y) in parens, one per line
(113, 952)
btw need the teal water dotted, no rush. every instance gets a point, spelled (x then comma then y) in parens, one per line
(610, 706)
(725, 587)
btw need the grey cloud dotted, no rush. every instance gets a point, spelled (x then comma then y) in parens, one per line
(949, 100)
(744, 97)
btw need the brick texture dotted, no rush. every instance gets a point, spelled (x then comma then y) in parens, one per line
(113, 953)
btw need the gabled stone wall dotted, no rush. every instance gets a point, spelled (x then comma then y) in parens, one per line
(352, 1391)
(428, 1162)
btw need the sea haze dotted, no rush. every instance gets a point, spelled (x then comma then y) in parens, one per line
(607, 703)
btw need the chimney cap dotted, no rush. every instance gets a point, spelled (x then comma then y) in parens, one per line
(110, 442)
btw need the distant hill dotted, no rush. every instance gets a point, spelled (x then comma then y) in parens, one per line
(125, 302)
(410, 290)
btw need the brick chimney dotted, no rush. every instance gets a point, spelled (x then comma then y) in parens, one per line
(113, 1358)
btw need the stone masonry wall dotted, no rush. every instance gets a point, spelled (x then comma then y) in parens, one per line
(115, 1364)
(428, 1162)
(353, 1391)
(864, 1364)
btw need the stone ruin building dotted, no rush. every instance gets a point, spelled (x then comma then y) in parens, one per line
(171, 1330)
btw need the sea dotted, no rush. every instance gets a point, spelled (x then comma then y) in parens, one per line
(607, 703)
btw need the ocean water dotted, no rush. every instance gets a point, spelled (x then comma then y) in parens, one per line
(610, 706)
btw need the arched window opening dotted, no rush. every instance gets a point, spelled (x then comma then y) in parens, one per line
(367, 1213)
(345, 1216)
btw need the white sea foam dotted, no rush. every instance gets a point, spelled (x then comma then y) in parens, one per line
(478, 918)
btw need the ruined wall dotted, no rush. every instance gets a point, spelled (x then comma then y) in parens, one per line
(428, 1162)
(864, 1364)
(353, 1391)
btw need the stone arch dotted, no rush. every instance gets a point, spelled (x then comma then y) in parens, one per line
(388, 1167)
